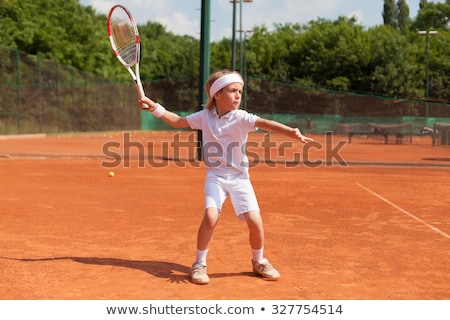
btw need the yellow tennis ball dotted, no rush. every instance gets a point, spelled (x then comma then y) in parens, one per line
(111, 174)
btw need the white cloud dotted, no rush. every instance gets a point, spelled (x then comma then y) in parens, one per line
(358, 15)
(179, 23)
(102, 6)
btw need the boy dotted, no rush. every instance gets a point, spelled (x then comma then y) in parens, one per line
(224, 133)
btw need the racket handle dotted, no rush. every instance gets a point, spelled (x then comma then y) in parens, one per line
(140, 90)
(141, 93)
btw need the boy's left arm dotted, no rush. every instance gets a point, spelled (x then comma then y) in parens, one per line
(274, 126)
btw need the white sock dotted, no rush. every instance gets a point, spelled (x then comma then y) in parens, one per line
(258, 254)
(201, 256)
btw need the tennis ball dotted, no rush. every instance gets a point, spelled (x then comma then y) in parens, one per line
(111, 174)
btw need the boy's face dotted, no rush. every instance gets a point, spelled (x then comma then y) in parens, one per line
(229, 98)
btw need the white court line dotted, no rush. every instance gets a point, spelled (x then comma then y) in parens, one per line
(404, 211)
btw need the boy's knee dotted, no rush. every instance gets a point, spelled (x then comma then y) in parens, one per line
(211, 217)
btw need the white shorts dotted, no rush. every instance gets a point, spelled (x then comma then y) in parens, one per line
(238, 187)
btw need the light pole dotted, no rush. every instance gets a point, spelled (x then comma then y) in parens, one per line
(233, 39)
(244, 67)
(427, 34)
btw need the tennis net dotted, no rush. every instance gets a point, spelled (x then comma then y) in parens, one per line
(441, 133)
(399, 130)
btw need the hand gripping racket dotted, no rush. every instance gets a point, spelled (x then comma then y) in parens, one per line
(125, 42)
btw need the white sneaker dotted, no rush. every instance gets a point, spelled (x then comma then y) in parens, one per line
(198, 274)
(265, 269)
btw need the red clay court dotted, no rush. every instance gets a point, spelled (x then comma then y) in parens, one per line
(376, 227)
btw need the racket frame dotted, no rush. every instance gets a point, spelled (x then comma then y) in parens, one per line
(135, 75)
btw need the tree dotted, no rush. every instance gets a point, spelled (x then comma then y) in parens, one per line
(392, 68)
(403, 15)
(339, 54)
(390, 13)
(432, 16)
(16, 23)
(60, 30)
(331, 53)
(165, 54)
(422, 4)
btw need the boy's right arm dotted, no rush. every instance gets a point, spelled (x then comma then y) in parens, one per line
(168, 117)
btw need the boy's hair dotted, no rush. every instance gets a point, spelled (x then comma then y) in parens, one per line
(213, 77)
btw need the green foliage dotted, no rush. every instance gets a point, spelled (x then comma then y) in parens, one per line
(403, 14)
(390, 13)
(422, 4)
(60, 30)
(392, 66)
(396, 15)
(331, 50)
(165, 54)
(221, 54)
(388, 59)
(432, 16)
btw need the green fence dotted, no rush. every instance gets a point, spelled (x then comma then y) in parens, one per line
(41, 96)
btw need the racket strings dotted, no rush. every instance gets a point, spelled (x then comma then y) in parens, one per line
(124, 39)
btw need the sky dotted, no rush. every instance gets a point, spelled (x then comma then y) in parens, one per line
(182, 17)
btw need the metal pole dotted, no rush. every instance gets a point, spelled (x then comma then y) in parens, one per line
(233, 39)
(427, 34)
(204, 64)
(19, 109)
(427, 68)
(244, 68)
(427, 65)
(244, 72)
(240, 36)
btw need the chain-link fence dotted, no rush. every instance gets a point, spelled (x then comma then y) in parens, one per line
(40, 96)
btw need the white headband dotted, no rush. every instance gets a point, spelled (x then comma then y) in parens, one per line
(223, 82)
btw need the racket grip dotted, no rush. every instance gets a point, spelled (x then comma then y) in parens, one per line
(140, 91)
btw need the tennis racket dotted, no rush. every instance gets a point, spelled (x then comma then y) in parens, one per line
(125, 42)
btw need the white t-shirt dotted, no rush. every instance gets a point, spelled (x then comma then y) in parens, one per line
(224, 139)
